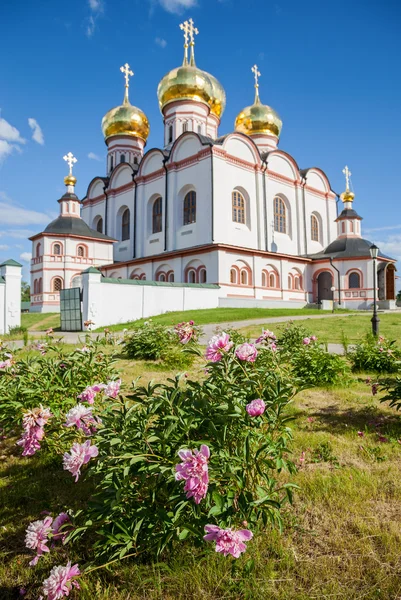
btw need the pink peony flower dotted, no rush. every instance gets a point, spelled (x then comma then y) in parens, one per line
(256, 408)
(58, 523)
(36, 537)
(81, 416)
(6, 364)
(61, 581)
(306, 341)
(88, 395)
(185, 332)
(381, 349)
(247, 352)
(360, 433)
(313, 338)
(228, 541)
(266, 335)
(194, 471)
(33, 423)
(98, 387)
(217, 346)
(273, 347)
(112, 388)
(79, 455)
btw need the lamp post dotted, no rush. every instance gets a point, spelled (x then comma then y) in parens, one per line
(374, 251)
(332, 289)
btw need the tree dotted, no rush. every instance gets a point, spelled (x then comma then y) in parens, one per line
(25, 292)
(399, 296)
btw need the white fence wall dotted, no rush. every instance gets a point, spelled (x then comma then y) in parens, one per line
(108, 301)
(10, 295)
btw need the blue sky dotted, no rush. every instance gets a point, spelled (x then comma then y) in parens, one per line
(330, 69)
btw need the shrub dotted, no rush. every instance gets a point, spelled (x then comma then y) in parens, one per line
(377, 355)
(313, 365)
(393, 395)
(292, 337)
(239, 413)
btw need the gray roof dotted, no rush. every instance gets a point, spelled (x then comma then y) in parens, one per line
(74, 226)
(347, 248)
(348, 213)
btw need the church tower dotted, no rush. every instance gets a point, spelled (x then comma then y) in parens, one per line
(125, 129)
(260, 121)
(190, 99)
(348, 221)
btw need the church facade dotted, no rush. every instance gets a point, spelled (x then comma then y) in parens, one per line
(233, 210)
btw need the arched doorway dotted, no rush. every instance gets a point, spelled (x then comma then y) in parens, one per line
(390, 282)
(324, 283)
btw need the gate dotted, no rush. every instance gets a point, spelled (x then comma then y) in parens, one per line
(70, 309)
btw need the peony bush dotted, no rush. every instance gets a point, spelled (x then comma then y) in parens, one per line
(378, 355)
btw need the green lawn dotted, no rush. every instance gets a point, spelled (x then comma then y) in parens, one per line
(354, 327)
(341, 537)
(219, 315)
(40, 321)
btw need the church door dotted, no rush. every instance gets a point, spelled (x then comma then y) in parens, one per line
(324, 283)
(390, 282)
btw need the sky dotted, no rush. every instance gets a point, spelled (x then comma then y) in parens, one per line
(331, 69)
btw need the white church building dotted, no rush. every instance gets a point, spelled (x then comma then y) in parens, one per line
(232, 210)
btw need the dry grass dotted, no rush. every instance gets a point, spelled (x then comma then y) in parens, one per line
(341, 538)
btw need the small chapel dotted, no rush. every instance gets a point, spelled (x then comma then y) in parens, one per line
(205, 208)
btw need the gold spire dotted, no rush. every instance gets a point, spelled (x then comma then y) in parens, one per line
(189, 31)
(347, 196)
(127, 74)
(70, 160)
(256, 73)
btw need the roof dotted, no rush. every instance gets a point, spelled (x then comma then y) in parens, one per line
(10, 263)
(74, 226)
(348, 213)
(347, 247)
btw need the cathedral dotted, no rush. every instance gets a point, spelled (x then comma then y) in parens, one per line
(205, 208)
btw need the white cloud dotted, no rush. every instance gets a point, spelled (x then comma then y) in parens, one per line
(10, 133)
(94, 156)
(161, 42)
(386, 228)
(177, 6)
(19, 246)
(4, 247)
(391, 246)
(19, 234)
(26, 256)
(6, 149)
(37, 133)
(12, 214)
(96, 7)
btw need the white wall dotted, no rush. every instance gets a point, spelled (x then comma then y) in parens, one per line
(135, 300)
(10, 297)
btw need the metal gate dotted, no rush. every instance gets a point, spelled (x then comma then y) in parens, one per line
(70, 309)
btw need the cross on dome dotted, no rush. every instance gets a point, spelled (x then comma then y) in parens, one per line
(127, 74)
(70, 160)
(347, 174)
(189, 32)
(256, 74)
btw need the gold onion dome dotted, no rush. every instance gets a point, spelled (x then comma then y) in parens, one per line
(188, 82)
(126, 119)
(70, 180)
(347, 196)
(258, 118)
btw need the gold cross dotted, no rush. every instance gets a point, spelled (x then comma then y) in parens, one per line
(185, 28)
(127, 73)
(192, 31)
(256, 73)
(347, 174)
(70, 160)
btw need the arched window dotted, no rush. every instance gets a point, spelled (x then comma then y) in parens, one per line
(57, 284)
(125, 225)
(264, 279)
(297, 283)
(135, 160)
(111, 163)
(122, 158)
(190, 208)
(161, 277)
(38, 247)
(233, 276)
(35, 286)
(351, 226)
(76, 281)
(280, 215)
(199, 129)
(57, 249)
(81, 251)
(171, 277)
(314, 226)
(99, 225)
(157, 213)
(244, 277)
(343, 227)
(40, 286)
(289, 282)
(202, 276)
(191, 276)
(272, 280)
(185, 126)
(238, 206)
(170, 134)
(67, 207)
(354, 280)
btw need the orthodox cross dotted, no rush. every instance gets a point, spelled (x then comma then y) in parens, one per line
(185, 28)
(192, 30)
(70, 160)
(189, 30)
(347, 174)
(256, 73)
(127, 73)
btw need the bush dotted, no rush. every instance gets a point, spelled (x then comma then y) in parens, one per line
(393, 395)
(377, 355)
(313, 365)
(139, 506)
(292, 337)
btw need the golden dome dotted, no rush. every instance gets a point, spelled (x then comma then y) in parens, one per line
(347, 196)
(70, 180)
(126, 120)
(190, 83)
(258, 118)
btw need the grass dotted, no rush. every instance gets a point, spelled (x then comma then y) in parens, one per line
(40, 321)
(341, 536)
(218, 315)
(354, 327)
